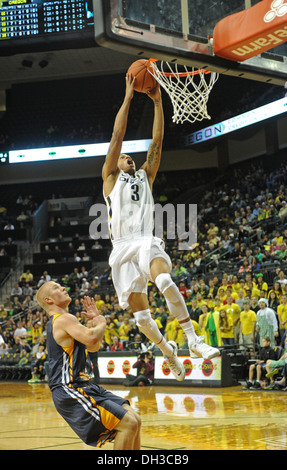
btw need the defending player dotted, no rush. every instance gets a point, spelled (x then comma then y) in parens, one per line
(95, 414)
(138, 256)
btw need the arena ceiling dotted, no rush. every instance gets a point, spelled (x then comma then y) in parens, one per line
(62, 64)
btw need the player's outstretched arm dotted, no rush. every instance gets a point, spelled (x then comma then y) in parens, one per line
(110, 166)
(152, 162)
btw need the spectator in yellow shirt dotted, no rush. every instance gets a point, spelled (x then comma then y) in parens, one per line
(277, 289)
(254, 289)
(202, 321)
(224, 284)
(26, 277)
(282, 315)
(226, 327)
(235, 284)
(231, 293)
(261, 284)
(3, 312)
(99, 302)
(233, 310)
(242, 286)
(178, 335)
(158, 322)
(110, 331)
(218, 304)
(170, 328)
(124, 329)
(200, 301)
(221, 294)
(247, 324)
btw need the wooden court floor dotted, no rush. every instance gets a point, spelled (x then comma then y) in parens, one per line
(173, 418)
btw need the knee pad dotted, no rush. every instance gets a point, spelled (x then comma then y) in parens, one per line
(173, 297)
(163, 281)
(143, 317)
(148, 326)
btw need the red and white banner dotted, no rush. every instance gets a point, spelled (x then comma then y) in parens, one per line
(195, 369)
(246, 34)
(117, 367)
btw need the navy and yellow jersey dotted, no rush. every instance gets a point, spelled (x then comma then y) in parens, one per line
(66, 365)
(90, 410)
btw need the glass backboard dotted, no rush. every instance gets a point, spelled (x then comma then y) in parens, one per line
(182, 31)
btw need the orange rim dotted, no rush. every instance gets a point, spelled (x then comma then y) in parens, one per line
(178, 74)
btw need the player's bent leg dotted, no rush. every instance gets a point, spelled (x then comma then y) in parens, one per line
(149, 328)
(178, 308)
(146, 324)
(128, 431)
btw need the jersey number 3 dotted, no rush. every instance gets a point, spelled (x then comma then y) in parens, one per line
(135, 194)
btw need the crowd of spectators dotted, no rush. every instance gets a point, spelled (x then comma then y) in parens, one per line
(239, 260)
(20, 216)
(15, 223)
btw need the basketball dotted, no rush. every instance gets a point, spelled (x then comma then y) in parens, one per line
(144, 81)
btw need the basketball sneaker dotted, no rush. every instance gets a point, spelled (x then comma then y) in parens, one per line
(201, 349)
(176, 367)
(248, 385)
(271, 373)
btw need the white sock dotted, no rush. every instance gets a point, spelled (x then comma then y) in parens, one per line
(189, 331)
(176, 305)
(150, 329)
(179, 311)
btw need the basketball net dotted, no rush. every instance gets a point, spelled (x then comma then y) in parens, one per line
(188, 89)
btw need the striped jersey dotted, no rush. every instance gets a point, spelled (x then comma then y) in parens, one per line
(130, 207)
(66, 365)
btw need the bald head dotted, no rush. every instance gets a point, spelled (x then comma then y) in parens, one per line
(51, 295)
(44, 292)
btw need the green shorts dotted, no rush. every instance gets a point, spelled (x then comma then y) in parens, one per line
(276, 364)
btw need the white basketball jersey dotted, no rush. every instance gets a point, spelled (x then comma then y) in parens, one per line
(130, 207)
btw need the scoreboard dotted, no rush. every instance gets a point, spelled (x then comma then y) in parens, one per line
(32, 22)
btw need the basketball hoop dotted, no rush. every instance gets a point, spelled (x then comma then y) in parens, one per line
(188, 89)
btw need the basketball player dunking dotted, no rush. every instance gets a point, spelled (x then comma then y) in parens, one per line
(137, 256)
